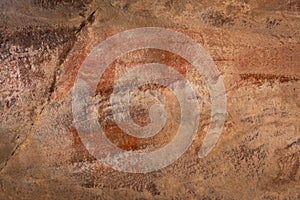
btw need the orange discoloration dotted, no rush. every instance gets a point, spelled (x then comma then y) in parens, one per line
(76, 138)
(70, 68)
(105, 88)
(99, 168)
(72, 63)
(121, 140)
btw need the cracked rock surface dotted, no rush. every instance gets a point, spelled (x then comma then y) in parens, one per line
(254, 44)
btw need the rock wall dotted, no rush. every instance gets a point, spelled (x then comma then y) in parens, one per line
(255, 46)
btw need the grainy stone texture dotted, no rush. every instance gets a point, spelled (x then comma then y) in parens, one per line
(256, 47)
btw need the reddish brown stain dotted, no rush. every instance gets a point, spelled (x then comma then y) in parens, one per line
(121, 140)
(267, 78)
(71, 65)
(76, 138)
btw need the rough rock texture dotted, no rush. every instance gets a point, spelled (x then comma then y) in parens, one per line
(256, 47)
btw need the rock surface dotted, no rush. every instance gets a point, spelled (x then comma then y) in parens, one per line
(256, 47)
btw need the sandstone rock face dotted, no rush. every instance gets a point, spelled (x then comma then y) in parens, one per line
(255, 46)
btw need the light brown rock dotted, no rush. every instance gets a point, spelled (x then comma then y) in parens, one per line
(256, 47)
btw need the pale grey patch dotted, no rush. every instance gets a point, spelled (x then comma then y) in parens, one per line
(85, 114)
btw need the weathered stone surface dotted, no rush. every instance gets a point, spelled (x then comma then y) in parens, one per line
(256, 47)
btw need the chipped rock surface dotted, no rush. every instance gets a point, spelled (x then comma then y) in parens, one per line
(255, 46)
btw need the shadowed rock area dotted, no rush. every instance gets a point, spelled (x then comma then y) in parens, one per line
(255, 46)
